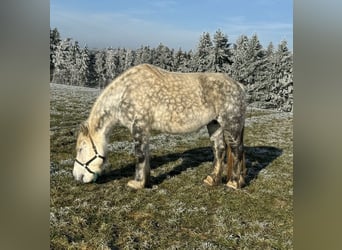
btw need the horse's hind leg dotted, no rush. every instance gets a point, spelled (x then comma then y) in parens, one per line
(142, 168)
(219, 147)
(236, 168)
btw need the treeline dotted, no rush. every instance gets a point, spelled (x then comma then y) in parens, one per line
(266, 72)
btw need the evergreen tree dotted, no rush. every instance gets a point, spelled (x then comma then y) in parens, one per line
(144, 55)
(191, 62)
(74, 67)
(259, 91)
(83, 66)
(54, 42)
(180, 61)
(100, 68)
(222, 54)
(238, 69)
(269, 68)
(282, 88)
(121, 59)
(249, 61)
(266, 72)
(129, 59)
(163, 57)
(64, 62)
(92, 75)
(257, 61)
(203, 59)
(111, 62)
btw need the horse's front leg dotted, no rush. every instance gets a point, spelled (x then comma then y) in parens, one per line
(142, 168)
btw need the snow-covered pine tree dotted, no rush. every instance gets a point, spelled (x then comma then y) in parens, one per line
(111, 62)
(54, 42)
(100, 68)
(257, 61)
(120, 62)
(257, 70)
(143, 55)
(129, 59)
(180, 61)
(282, 87)
(64, 62)
(83, 66)
(222, 54)
(80, 67)
(259, 91)
(203, 59)
(163, 57)
(92, 75)
(192, 67)
(238, 69)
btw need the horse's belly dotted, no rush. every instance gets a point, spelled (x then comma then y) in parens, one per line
(182, 121)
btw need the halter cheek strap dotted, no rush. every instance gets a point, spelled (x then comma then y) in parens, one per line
(97, 155)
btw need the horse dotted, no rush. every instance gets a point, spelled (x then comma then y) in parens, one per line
(145, 98)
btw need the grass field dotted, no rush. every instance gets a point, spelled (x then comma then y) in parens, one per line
(178, 211)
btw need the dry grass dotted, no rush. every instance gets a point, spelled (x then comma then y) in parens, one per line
(178, 211)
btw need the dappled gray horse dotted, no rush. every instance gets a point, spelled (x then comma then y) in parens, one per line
(146, 97)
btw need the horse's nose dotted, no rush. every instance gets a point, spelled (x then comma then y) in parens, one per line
(77, 175)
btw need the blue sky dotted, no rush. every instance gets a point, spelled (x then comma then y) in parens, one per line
(175, 23)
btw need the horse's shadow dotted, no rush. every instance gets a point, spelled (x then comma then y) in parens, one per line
(257, 158)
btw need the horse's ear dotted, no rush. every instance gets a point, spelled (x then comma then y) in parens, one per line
(84, 128)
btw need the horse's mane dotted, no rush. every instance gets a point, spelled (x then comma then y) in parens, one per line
(84, 128)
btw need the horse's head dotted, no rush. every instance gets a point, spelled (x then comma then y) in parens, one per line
(89, 157)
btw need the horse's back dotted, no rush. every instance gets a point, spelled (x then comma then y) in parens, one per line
(176, 102)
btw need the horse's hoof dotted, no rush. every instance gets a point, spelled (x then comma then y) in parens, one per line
(232, 184)
(135, 184)
(210, 181)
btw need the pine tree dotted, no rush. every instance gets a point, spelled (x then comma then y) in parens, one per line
(111, 62)
(121, 59)
(180, 61)
(129, 59)
(74, 67)
(267, 73)
(203, 59)
(222, 54)
(92, 75)
(259, 90)
(238, 69)
(83, 66)
(64, 62)
(282, 88)
(257, 61)
(54, 42)
(191, 61)
(143, 55)
(249, 61)
(100, 68)
(269, 68)
(163, 57)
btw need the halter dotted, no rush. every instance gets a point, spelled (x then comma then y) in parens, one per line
(97, 155)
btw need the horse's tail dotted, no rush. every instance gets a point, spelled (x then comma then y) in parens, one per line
(232, 157)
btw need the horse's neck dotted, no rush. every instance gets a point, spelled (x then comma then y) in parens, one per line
(102, 116)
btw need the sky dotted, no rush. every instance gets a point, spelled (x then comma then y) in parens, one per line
(174, 23)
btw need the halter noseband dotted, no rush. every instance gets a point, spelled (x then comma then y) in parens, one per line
(97, 155)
